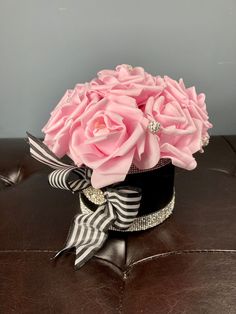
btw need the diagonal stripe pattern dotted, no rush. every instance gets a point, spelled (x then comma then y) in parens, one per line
(88, 231)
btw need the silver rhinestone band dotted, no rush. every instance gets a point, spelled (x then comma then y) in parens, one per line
(142, 222)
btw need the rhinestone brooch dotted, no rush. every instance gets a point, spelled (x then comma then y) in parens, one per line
(205, 141)
(95, 196)
(154, 126)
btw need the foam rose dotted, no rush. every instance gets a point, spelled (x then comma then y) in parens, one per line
(57, 128)
(184, 122)
(69, 108)
(188, 98)
(130, 81)
(109, 137)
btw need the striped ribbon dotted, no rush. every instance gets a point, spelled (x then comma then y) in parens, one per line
(88, 231)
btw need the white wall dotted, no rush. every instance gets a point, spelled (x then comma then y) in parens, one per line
(49, 46)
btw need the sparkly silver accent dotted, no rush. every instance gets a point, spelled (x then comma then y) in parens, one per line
(95, 196)
(142, 222)
(154, 126)
(204, 142)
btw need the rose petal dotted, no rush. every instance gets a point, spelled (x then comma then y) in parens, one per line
(114, 170)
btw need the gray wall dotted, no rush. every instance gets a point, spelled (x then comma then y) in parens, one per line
(49, 46)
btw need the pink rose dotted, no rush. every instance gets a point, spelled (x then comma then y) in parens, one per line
(126, 80)
(56, 129)
(197, 108)
(183, 122)
(109, 136)
(188, 97)
(178, 134)
(68, 109)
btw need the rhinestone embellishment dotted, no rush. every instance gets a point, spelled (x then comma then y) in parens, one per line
(95, 196)
(154, 126)
(204, 143)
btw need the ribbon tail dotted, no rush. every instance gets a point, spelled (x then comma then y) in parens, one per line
(86, 251)
(59, 253)
(96, 233)
(88, 233)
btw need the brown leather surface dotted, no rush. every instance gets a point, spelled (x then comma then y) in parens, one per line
(185, 265)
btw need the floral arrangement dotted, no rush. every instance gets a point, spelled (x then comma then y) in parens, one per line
(123, 121)
(127, 116)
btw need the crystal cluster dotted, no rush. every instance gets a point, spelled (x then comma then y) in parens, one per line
(154, 126)
(95, 196)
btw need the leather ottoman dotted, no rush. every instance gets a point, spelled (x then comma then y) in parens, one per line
(185, 265)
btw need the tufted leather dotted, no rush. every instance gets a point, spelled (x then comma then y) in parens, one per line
(185, 265)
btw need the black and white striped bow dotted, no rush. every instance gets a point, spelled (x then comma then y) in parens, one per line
(89, 230)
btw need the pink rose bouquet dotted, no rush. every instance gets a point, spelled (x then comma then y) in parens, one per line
(127, 116)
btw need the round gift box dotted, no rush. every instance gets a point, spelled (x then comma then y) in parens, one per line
(158, 196)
